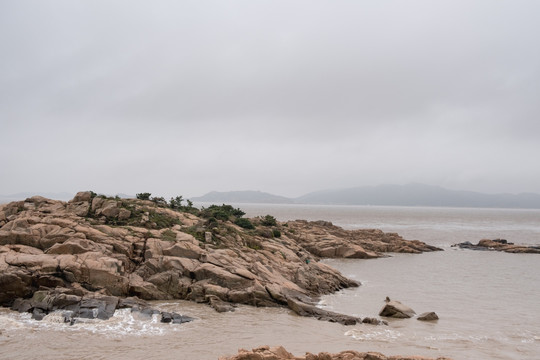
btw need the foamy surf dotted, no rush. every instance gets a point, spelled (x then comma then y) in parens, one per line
(385, 335)
(122, 323)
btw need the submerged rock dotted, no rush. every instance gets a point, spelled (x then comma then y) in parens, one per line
(174, 318)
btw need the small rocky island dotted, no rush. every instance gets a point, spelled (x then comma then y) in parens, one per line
(499, 245)
(95, 254)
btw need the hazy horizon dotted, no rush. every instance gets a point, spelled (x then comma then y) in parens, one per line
(285, 97)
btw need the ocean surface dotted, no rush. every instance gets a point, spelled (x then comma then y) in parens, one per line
(488, 302)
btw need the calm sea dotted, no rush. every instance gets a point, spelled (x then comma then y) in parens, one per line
(488, 302)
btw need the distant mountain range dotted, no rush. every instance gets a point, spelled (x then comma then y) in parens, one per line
(391, 195)
(257, 197)
(64, 196)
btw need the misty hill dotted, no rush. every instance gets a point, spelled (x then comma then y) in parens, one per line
(65, 196)
(243, 197)
(385, 195)
(419, 195)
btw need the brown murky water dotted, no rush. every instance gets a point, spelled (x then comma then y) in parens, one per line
(489, 303)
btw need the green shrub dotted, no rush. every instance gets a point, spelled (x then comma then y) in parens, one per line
(176, 202)
(222, 212)
(268, 220)
(160, 201)
(212, 223)
(276, 232)
(244, 223)
(143, 196)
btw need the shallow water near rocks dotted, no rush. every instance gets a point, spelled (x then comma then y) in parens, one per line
(488, 302)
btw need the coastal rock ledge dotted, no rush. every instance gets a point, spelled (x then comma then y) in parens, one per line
(147, 249)
(279, 353)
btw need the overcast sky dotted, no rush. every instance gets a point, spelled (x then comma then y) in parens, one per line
(288, 97)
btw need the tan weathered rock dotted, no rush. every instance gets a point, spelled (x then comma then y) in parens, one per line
(82, 196)
(75, 246)
(395, 309)
(279, 353)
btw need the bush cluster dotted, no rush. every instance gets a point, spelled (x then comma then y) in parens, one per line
(268, 220)
(221, 212)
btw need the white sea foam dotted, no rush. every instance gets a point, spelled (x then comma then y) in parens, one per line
(374, 335)
(122, 323)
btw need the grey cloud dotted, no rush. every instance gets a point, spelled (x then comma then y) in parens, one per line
(283, 96)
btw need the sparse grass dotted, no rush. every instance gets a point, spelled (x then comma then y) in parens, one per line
(168, 235)
(163, 221)
(196, 231)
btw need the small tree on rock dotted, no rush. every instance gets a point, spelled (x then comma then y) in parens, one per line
(143, 196)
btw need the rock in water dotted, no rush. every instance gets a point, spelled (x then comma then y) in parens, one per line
(395, 309)
(428, 316)
(279, 353)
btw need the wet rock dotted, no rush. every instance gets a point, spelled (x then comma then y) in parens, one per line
(102, 307)
(304, 309)
(38, 314)
(174, 318)
(428, 316)
(180, 319)
(219, 305)
(373, 321)
(395, 309)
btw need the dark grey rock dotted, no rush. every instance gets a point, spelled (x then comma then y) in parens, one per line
(38, 314)
(428, 316)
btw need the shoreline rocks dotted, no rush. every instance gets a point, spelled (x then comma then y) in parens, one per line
(121, 248)
(74, 304)
(279, 353)
(499, 245)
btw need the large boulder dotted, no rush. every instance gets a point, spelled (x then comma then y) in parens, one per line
(395, 309)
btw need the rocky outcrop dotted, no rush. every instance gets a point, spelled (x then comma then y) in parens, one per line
(323, 239)
(395, 309)
(279, 353)
(499, 245)
(127, 247)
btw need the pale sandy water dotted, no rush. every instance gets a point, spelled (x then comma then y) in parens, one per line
(489, 303)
